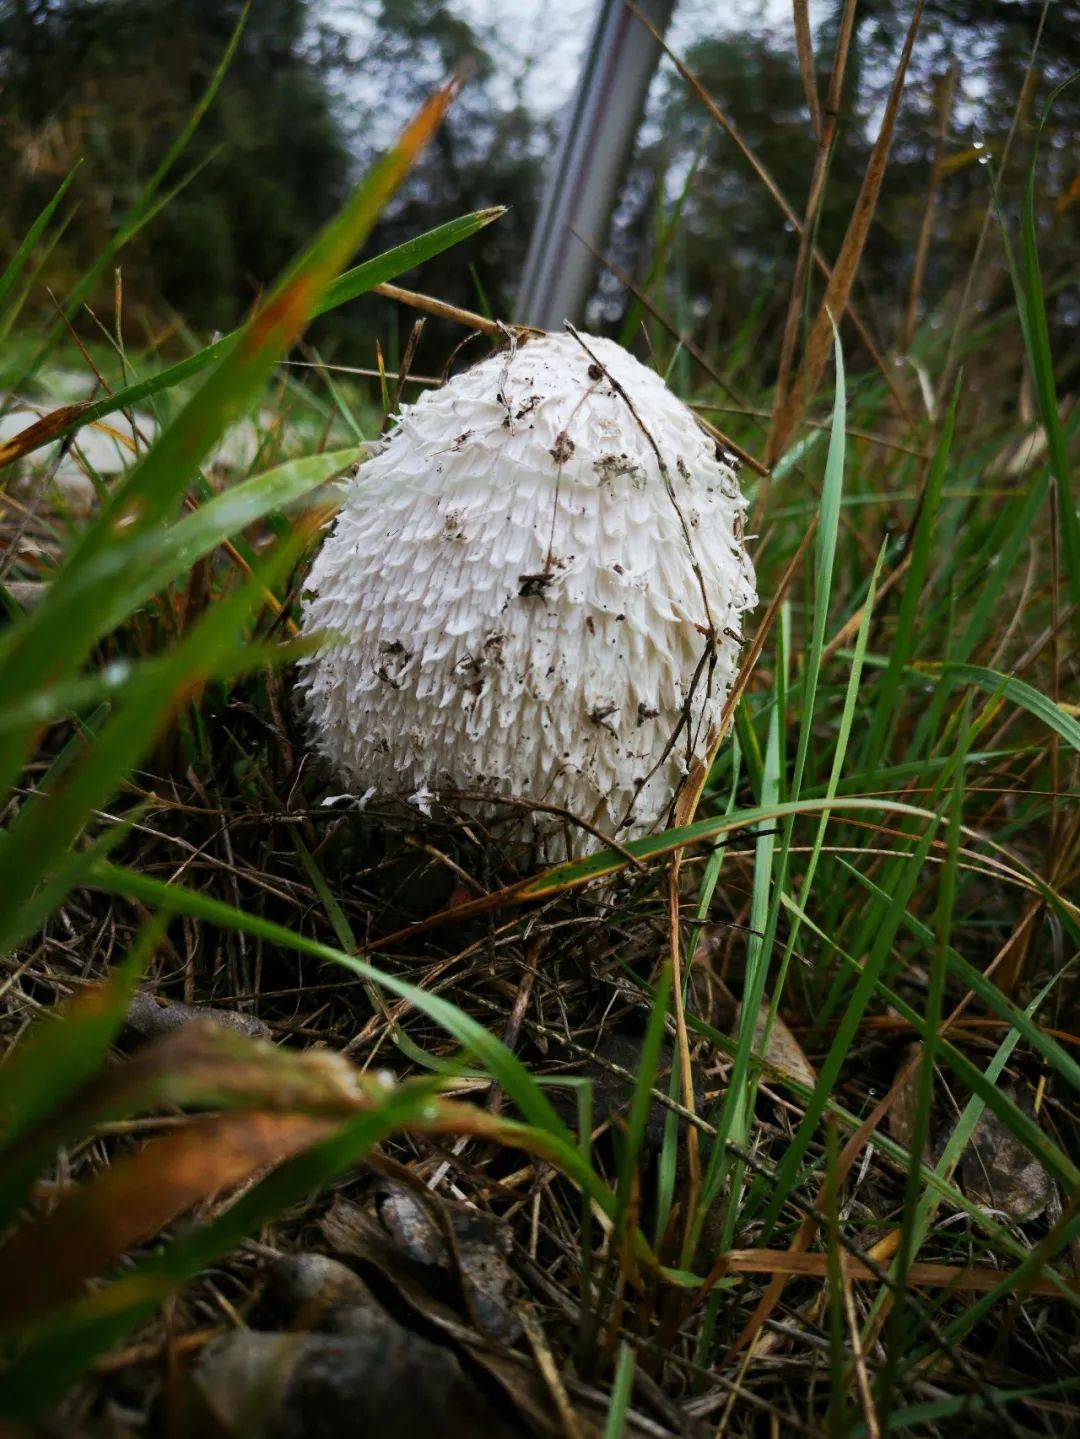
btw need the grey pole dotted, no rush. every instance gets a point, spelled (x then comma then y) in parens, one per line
(594, 146)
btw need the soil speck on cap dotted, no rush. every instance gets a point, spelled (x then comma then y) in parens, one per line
(563, 448)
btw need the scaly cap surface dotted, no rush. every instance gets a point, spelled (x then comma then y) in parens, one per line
(536, 587)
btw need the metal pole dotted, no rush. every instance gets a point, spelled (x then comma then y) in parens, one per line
(594, 146)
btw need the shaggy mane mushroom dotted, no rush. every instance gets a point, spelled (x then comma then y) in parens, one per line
(534, 592)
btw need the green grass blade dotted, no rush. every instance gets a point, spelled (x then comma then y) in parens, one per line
(357, 281)
(619, 1403)
(1055, 1054)
(65, 1048)
(149, 492)
(1040, 358)
(110, 683)
(914, 598)
(62, 1052)
(496, 1059)
(93, 604)
(15, 267)
(57, 1351)
(908, 1248)
(642, 1100)
(36, 847)
(1017, 692)
(656, 846)
(1060, 1238)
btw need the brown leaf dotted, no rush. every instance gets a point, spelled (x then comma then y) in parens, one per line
(307, 1291)
(374, 1378)
(901, 1117)
(47, 1261)
(202, 1063)
(48, 428)
(352, 1231)
(1000, 1173)
(783, 1049)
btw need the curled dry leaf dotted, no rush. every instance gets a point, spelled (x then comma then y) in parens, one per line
(353, 1231)
(204, 1063)
(901, 1116)
(456, 1237)
(307, 1291)
(47, 1261)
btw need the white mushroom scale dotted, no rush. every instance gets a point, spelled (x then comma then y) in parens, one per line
(533, 592)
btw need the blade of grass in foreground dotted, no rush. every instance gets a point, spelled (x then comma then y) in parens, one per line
(353, 283)
(543, 1132)
(985, 990)
(151, 490)
(496, 1059)
(65, 1049)
(130, 571)
(768, 888)
(619, 1404)
(1026, 1130)
(62, 1054)
(908, 876)
(914, 599)
(1017, 692)
(1037, 339)
(38, 847)
(935, 1181)
(932, 1198)
(56, 1352)
(913, 1418)
(896, 1340)
(22, 254)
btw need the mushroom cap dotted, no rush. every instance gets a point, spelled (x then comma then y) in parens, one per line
(534, 592)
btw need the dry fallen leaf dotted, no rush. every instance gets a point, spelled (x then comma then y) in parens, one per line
(979, 1279)
(47, 1261)
(901, 1117)
(374, 1377)
(150, 1017)
(997, 1171)
(478, 1250)
(352, 1231)
(783, 1049)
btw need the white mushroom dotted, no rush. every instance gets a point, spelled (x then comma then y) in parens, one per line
(534, 592)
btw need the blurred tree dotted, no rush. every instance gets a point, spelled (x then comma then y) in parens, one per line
(318, 87)
(114, 81)
(733, 253)
(490, 149)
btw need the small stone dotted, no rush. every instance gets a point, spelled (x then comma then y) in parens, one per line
(150, 1018)
(376, 1379)
(305, 1291)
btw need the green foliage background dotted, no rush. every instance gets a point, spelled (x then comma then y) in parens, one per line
(310, 100)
